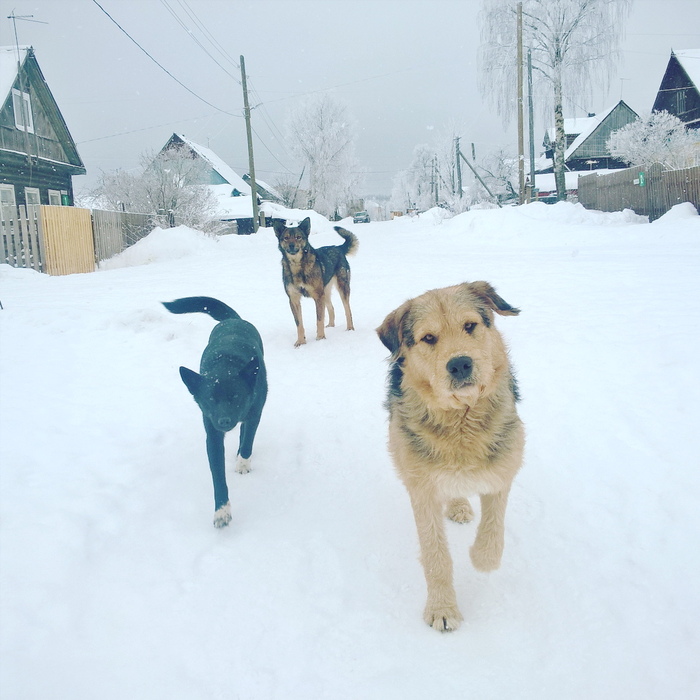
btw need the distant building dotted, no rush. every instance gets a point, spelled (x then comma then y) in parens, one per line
(38, 157)
(586, 139)
(679, 92)
(232, 191)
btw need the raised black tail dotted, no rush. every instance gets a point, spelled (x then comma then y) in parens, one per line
(351, 243)
(206, 305)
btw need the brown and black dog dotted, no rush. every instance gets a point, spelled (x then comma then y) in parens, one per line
(312, 272)
(454, 431)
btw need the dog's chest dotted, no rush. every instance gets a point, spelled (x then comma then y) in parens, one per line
(302, 274)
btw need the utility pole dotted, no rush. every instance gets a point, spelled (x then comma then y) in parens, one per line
(521, 135)
(251, 161)
(479, 178)
(459, 168)
(533, 192)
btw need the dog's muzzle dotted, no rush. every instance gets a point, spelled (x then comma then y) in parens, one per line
(460, 370)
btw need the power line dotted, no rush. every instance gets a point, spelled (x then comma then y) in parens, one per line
(195, 39)
(163, 68)
(145, 128)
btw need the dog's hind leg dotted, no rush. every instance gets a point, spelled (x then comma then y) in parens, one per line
(215, 453)
(343, 283)
(329, 304)
(320, 300)
(459, 510)
(487, 549)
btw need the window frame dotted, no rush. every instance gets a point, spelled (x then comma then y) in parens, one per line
(22, 99)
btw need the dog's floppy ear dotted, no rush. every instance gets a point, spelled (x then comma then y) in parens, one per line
(392, 332)
(192, 380)
(305, 225)
(487, 293)
(279, 226)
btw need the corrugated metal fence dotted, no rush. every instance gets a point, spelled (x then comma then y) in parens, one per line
(647, 191)
(66, 240)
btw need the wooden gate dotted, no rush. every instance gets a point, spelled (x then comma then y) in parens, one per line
(67, 240)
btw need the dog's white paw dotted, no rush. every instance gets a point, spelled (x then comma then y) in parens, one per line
(242, 465)
(444, 618)
(222, 517)
(460, 511)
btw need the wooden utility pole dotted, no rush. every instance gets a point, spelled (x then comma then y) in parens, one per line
(478, 177)
(533, 193)
(251, 161)
(459, 168)
(521, 134)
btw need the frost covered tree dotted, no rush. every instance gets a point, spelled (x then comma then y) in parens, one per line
(659, 137)
(169, 187)
(413, 188)
(321, 133)
(574, 45)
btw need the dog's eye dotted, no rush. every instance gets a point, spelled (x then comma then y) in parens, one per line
(429, 338)
(469, 327)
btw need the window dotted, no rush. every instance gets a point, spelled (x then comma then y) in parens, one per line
(32, 196)
(54, 198)
(23, 111)
(7, 194)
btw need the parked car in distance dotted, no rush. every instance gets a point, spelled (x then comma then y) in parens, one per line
(362, 217)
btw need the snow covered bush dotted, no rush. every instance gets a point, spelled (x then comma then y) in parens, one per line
(659, 137)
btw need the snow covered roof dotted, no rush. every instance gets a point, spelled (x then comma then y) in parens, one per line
(572, 126)
(229, 207)
(590, 126)
(8, 67)
(226, 171)
(690, 62)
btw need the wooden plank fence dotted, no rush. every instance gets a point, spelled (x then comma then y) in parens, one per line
(20, 242)
(647, 191)
(66, 240)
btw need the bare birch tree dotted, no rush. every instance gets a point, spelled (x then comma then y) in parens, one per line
(321, 133)
(574, 44)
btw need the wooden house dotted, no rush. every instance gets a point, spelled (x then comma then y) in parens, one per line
(679, 92)
(232, 191)
(38, 157)
(586, 139)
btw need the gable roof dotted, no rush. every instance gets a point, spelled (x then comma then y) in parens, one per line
(225, 171)
(594, 123)
(690, 62)
(27, 67)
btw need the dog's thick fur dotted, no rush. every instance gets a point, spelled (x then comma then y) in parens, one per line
(454, 431)
(312, 272)
(231, 388)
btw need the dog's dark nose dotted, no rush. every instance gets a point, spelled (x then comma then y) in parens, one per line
(224, 423)
(460, 368)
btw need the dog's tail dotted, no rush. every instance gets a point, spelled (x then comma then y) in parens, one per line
(351, 243)
(206, 305)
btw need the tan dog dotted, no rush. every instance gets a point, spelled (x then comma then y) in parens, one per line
(454, 431)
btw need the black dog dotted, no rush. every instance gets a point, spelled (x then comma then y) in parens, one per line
(312, 272)
(230, 389)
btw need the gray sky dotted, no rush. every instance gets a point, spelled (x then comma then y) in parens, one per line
(406, 69)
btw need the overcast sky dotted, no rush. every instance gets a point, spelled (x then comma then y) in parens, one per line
(406, 69)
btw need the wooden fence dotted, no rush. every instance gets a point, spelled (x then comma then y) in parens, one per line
(647, 191)
(66, 240)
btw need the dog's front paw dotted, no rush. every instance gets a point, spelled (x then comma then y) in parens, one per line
(485, 556)
(243, 465)
(321, 337)
(460, 511)
(299, 343)
(443, 618)
(222, 516)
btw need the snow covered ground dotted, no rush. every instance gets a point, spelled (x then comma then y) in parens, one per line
(114, 583)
